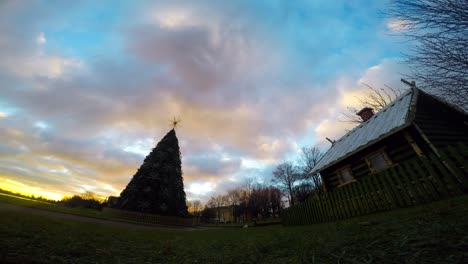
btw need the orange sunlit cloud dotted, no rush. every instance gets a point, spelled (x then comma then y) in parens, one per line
(81, 106)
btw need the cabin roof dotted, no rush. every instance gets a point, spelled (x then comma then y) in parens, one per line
(387, 121)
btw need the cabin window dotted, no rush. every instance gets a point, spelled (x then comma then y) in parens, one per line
(345, 175)
(378, 161)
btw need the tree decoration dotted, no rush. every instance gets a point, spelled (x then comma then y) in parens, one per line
(157, 187)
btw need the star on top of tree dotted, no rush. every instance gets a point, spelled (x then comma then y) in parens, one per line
(175, 122)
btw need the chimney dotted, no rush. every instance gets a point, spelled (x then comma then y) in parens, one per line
(366, 113)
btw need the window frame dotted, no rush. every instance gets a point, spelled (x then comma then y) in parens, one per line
(385, 156)
(342, 182)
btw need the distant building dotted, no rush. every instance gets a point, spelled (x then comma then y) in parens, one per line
(415, 124)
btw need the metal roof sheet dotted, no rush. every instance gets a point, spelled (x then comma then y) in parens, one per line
(388, 120)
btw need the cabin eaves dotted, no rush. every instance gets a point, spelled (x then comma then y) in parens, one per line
(394, 117)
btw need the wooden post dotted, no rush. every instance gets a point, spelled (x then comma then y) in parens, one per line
(436, 151)
(413, 144)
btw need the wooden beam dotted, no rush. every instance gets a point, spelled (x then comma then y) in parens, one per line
(324, 187)
(412, 143)
(437, 153)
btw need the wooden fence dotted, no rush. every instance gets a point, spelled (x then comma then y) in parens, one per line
(417, 181)
(148, 218)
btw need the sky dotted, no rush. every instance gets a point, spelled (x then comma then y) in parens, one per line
(88, 88)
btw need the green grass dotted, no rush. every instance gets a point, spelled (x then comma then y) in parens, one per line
(80, 211)
(435, 233)
(266, 222)
(52, 207)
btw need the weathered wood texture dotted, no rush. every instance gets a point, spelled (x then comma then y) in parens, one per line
(416, 181)
(396, 146)
(440, 123)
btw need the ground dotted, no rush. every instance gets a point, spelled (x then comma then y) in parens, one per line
(435, 233)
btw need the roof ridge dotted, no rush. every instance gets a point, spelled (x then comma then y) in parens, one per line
(406, 93)
(361, 135)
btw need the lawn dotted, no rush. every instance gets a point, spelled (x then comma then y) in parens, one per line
(435, 233)
(50, 206)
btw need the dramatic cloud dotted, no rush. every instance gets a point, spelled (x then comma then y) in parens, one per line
(384, 76)
(89, 89)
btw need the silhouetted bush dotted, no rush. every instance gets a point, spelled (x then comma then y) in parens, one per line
(77, 201)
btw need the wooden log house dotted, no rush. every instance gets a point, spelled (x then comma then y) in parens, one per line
(414, 124)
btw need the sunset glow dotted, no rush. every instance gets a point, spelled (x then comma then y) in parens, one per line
(88, 88)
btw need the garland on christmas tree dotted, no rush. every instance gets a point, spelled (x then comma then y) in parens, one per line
(158, 186)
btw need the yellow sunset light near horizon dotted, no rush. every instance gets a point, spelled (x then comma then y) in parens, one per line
(21, 188)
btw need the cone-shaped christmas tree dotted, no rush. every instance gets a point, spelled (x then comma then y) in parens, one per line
(157, 187)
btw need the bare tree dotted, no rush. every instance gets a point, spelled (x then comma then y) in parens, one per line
(374, 98)
(217, 202)
(309, 157)
(438, 32)
(284, 176)
(195, 207)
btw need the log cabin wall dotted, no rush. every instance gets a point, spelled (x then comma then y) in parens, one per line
(395, 146)
(441, 124)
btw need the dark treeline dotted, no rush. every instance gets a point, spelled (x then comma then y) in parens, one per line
(85, 200)
(291, 184)
(244, 204)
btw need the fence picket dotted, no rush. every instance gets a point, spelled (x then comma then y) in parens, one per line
(391, 188)
(444, 192)
(362, 193)
(380, 201)
(458, 155)
(366, 185)
(316, 210)
(319, 207)
(446, 175)
(402, 190)
(346, 213)
(349, 200)
(428, 184)
(334, 206)
(311, 210)
(325, 207)
(454, 168)
(412, 182)
(341, 206)
(356, 198)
